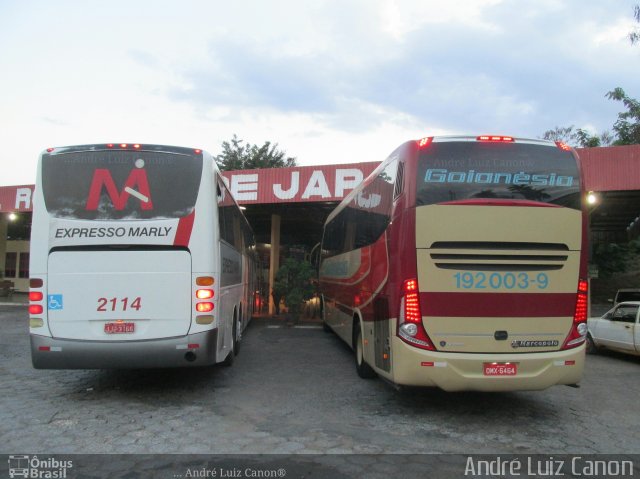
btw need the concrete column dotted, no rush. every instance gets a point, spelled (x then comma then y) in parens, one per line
(4, 221)
(274, 258)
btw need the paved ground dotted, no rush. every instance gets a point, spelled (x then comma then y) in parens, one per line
(294, 390)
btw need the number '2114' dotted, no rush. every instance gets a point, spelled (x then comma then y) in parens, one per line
(119, 304)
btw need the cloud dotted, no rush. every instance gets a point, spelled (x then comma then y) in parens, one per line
(55, 121)
(446, 74)
(327, 79)
(245, 75)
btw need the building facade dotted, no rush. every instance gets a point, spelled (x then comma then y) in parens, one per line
(287, 206)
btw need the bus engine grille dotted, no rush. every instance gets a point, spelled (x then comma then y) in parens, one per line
(499, 256)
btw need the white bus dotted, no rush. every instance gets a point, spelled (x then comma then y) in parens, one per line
(140, 258)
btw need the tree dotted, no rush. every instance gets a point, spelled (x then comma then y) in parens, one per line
(613, 258)
(564, 134)
(293, 281)
(577, 137)
(587, 140)
(239, 156)
(634, 36)
(627, 126)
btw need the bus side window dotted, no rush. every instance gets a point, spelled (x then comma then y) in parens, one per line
(372, 218)
(238, 239)
(388, 174)
(334, 236)
(399, 186)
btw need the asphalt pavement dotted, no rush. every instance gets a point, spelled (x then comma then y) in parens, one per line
(293, 390)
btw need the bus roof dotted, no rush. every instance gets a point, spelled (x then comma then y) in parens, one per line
(122, 147)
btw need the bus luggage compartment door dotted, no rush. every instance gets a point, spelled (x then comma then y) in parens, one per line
(119, 295)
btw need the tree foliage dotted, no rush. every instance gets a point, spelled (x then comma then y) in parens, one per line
(634, 36)
(613, 258)
(626, 129)
(238, 155)
(627, 126)
(293, 282)
(578, 137)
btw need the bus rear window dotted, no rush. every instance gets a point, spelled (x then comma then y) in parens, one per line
(453, 171)
(116, 185)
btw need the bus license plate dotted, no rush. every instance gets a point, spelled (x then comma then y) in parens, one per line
(119, 328)
(500, 369)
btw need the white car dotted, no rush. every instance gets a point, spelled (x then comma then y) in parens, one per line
(618, 329)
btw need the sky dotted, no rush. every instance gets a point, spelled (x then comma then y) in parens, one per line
(330, 81)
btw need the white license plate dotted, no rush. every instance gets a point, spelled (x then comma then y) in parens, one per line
(500, 369)
(119, 328)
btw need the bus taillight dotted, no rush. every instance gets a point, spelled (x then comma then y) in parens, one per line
(204, 307)
(205, 280)
(424, 142)
(35, 299)
(35, 296)
(410, 328)
(204, 293)
(496, 138)
(578, 331)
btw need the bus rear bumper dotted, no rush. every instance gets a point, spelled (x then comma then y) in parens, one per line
(185, 351)
(460, 371)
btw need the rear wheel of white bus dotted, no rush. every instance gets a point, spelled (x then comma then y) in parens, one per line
(234, 345)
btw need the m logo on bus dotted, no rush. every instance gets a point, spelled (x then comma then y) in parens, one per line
(136, 185)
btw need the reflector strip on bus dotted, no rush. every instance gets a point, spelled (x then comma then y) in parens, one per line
(187, 346)
(433, 364)
(564, 363)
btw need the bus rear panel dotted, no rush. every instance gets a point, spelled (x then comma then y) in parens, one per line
(479, 280)
(115, 270)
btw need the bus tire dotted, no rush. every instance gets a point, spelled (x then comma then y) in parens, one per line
(362, 368)
(325, 327)
(230, 357)
(237, 335)
(228, 361)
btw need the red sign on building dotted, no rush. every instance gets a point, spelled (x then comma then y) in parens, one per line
(297, 185)
(16, 198)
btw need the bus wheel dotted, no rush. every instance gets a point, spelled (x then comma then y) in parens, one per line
(364, 370)
(325, 327)
(237, 336)
(229, 359)
(591, 346)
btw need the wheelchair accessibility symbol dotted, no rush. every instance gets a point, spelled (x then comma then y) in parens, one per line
(54, 302)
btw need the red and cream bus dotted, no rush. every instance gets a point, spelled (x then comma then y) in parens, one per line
(461, 263)
(140, 258)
